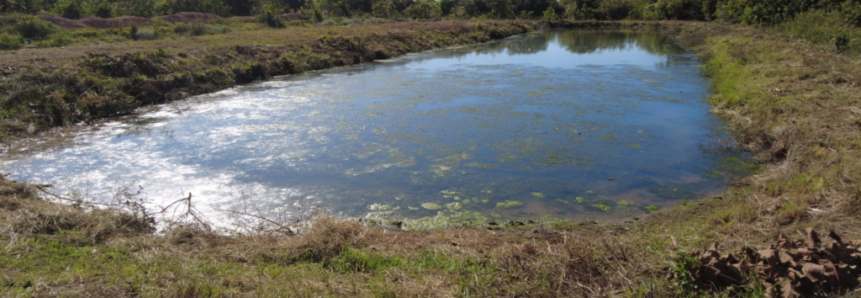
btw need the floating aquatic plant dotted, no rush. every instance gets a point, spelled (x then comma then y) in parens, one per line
(379, 207)
(651, 208)
(509, 203)
(602, 207)
(431, 206)
(454, 206)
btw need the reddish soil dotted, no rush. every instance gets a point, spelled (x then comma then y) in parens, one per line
(104, 23)
(190, 17)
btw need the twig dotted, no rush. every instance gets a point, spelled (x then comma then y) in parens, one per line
(279, 225)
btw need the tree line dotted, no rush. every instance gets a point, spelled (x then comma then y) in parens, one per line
(733, 11)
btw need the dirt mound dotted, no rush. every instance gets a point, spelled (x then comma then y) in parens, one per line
(94, 22)
(190, 17)
(101, 23)
(61, 21)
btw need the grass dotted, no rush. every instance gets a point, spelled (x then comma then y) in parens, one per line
(792, 104)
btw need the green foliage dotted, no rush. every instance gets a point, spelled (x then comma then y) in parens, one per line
(10, 41)
(138, 8)
(840, 41)
(767, 12)
(218, 7)
(270, 18)
(144, 33)
(424, 10)
(680, 267)
(59, 39)
(851, 12)
(550, 14)
(102, 8)
(34, 28)
(70, 9)
(22, 6)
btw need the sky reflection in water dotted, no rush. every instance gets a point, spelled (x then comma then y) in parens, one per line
(582, 124)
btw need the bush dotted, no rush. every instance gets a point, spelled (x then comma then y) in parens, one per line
(70, 9)
(851, 12)
(181, 28)
(271, 18)
(10, 41)
(102, 8)
(423, 10)
(22, 6)
(59, 39)
(208, 6)
(145, 34)
(138, 8)
(550, 14)
(328, 22)
(34, 28)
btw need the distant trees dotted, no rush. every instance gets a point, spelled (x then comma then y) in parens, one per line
(731, 11)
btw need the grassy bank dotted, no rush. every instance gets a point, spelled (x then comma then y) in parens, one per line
(793, 104)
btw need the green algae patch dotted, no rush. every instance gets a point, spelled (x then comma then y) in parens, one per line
(602, 207)
(379, 207)
(651, 208)
(481, 165)
(714, 174)
(454, 206)
(623, 203)
(444, 220)
(431, 206)
(509, 204)
(538, 194)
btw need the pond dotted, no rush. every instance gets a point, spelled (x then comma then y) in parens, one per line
(579, 124)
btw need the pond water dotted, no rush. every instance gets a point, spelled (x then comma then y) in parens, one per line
(565, 124)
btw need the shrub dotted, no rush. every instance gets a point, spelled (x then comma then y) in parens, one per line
(423, 10)
(271, 18)
(207, 6)
(59, 39)
(851, 12)
(70, 9)
(34, 28)
(10, 41)
(198, 28)
(328, 22)
(56, 40)
(550, 14)
(145, 34)
(102, 9)
(181, 28)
